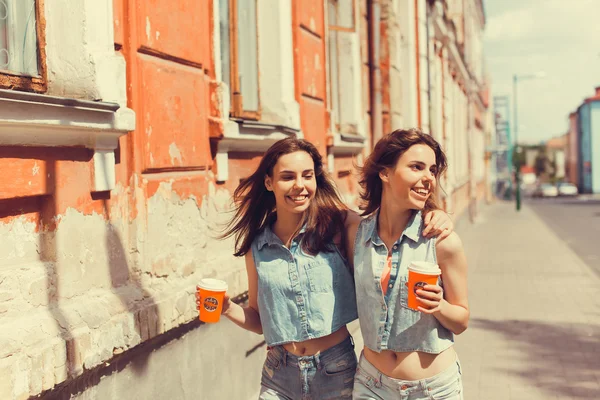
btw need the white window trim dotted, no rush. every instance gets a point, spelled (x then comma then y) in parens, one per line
(29, 119)
(248, 136)
(59, 118)
(276, 64)
(350, 72)
(280, 112)
(344, 143)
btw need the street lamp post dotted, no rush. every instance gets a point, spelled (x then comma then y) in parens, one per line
(516, 78)
(516, 157)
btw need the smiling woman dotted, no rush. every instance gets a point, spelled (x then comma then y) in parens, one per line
(292, 227)
(290, 224)
(411, 353)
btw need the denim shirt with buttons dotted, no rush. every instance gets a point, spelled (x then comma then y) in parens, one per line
(386, 322)
(301, 296)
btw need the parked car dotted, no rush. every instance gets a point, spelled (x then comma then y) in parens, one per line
(545, 190)
(567, 189)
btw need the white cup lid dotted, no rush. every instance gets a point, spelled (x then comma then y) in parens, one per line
(215, 285)
(424, 267)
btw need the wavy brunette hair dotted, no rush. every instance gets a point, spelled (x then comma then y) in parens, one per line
(255, 205)
(386, 153)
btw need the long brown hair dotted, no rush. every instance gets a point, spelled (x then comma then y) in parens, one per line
(386, 153)
(255, 205)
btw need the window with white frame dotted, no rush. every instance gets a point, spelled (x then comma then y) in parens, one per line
(344, 67)
(239, 56)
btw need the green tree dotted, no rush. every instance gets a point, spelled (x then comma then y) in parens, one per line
(542, 163)
(518, 157)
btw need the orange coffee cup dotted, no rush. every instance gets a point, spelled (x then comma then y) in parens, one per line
(420, 273)
(210, 294)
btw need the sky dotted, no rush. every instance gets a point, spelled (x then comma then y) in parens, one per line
(560, 38)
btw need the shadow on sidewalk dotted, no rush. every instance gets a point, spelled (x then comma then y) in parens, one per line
(559, 359)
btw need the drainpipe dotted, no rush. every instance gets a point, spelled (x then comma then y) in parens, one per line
(427, 36)
(375, 71)
(418, 64)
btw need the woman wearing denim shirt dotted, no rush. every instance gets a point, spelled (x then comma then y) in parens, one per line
(408, 353)
(291, 225)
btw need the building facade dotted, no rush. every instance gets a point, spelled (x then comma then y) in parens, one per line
(588, 122)
(572, 151)
(556, 149)
(124, 134)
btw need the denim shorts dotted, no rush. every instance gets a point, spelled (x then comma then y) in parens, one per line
(326, 375)
(371, 384)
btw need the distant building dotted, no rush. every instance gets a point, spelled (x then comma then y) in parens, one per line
(589, 144)
(556, 148)
(572, 150)
(531, 153)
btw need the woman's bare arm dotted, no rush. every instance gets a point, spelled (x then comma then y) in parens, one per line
(246, 317)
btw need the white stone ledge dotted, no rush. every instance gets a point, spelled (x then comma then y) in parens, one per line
(28, 119)
(344, 144)
(248, 136)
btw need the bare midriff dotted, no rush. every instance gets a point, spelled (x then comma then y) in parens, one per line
(412, 365)
(314, 346)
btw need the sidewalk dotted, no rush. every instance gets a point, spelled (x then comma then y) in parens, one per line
(534, 331)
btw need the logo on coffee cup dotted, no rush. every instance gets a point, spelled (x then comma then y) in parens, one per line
(419, 285)
(210, 304)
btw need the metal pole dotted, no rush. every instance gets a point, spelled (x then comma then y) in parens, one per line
(517, 159)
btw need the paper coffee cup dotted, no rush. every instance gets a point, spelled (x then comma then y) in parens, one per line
(420, 273)
(210, 295)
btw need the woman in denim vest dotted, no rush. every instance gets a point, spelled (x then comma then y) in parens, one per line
(408, 353)
(290, 224)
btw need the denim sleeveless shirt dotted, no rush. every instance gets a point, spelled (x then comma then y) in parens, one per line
(386, 322)
(301, 296)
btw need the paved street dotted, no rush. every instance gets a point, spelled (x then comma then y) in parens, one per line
(535, 312)
(575, 221)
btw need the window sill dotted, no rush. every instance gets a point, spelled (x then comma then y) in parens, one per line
(29, 119)
(347, 144)
(248, 136)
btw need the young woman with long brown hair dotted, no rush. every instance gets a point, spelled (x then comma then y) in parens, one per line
(290, 224)
(408, 353)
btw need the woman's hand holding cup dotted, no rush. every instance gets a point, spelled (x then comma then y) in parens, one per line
(431, 298)
(211, 299)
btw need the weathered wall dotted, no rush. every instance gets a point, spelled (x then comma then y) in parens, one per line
(85, 276)
(309, 47)
(78, 294)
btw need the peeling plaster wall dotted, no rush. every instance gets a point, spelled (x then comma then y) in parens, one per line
(90, 69)
(87, 276)
(78, 296)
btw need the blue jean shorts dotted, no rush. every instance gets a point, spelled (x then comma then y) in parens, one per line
(371, 384)
(324, 376)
